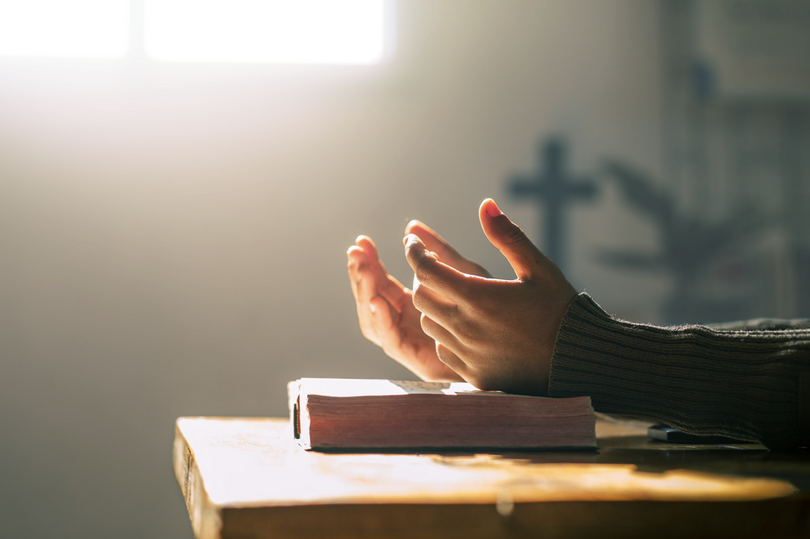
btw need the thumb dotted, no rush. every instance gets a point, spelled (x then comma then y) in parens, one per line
(511, 241)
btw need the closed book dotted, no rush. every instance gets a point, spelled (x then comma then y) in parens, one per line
(342, 414)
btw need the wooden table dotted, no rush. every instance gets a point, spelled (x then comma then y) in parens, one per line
(246, 478)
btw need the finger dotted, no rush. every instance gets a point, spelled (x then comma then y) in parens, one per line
(366, 292)
(392, 338)
(447, 254)
(356, 258)
(436, 306)
(370, 248)
(451, 359)
(511, 241)
(433, 274)
(440, 334)
(389, 287)
(382, 320)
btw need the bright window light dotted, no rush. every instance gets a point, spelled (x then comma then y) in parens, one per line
(66, 28)
(277, 31)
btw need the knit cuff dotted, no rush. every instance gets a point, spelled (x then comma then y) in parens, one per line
(739, 384)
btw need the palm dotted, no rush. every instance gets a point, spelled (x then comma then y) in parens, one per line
(414, 349)
(385, 307)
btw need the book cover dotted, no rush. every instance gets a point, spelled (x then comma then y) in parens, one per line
(337, 414)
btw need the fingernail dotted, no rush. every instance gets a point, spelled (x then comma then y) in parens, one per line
(492, 209)
(410, 238)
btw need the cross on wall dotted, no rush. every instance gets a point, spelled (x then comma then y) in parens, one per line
(553, 190)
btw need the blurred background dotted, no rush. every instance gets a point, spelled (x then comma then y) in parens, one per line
(173, 231)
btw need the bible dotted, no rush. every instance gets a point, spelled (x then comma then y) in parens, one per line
(342, 414)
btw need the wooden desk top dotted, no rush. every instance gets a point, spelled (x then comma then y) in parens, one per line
(247, 478)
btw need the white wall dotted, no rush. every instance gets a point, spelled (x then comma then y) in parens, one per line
(172, 237)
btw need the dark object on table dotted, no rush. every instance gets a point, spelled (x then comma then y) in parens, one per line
(668, 434)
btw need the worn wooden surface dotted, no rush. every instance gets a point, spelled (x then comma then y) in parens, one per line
(247, 478)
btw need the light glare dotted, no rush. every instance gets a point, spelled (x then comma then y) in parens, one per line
(277, 31)
(64, 28)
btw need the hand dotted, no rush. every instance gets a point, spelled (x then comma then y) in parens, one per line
(496, 334)
(385, 307)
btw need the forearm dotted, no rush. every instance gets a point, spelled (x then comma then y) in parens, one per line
(741, 384)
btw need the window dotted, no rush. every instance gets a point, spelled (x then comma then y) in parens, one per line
(66, 28)
(279, 31)
(274, 31)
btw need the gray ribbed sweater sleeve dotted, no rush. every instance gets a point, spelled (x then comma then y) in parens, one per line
(743, 384)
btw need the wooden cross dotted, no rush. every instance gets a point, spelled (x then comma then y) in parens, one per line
(553, 190)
